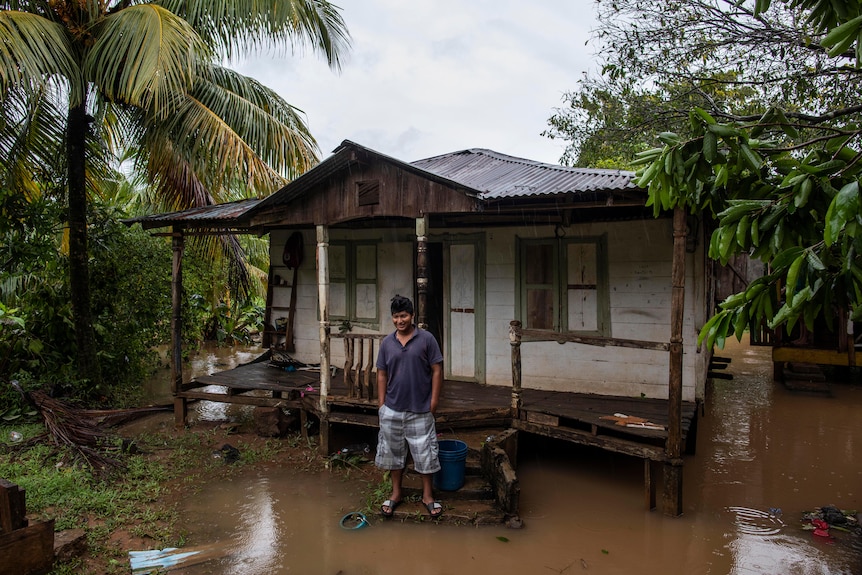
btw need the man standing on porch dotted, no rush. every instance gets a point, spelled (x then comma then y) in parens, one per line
(409, 380)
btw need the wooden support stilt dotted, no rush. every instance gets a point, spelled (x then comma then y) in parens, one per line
(649, 484)
(180, 404)
(325, 352)
(515, 342)
(672, 504)
(422, 272)
(672, 495)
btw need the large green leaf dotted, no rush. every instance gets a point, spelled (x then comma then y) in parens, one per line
(844, 206)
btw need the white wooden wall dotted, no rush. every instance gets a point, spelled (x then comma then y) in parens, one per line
(639, 260)
(639, 270)
(394, 275)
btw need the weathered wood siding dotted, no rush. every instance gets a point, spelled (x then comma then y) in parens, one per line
(378, 189)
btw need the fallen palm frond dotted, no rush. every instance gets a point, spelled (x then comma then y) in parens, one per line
(67, 427)
(116, 417)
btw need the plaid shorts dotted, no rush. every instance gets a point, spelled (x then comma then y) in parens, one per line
(402, 430)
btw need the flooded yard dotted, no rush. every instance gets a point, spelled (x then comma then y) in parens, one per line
(765, 456)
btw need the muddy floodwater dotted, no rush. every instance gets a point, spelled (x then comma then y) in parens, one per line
(765, 456)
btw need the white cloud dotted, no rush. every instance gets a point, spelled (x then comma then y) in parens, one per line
(427, 77)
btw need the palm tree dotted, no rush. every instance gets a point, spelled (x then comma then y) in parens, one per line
(82, 79)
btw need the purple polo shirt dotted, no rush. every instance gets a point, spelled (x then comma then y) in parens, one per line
(408, 369)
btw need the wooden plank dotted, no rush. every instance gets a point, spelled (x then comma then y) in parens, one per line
(605, 442)
(348, 366)
(479, 415)
(533, 335)
(361, 419)
(241, 399)
(28, 551)
(13, 508)
(360, 372)
(16, 505)
(809, 355)
(542, 418)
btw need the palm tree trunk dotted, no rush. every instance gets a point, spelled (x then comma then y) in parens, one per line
(79, 273)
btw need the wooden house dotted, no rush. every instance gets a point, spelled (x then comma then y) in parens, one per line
(541, 282)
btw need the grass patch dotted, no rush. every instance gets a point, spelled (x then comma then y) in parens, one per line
(136, 508)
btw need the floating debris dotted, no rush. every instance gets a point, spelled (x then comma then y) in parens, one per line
(822, 519)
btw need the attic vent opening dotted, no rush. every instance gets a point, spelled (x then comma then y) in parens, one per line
(368, 192)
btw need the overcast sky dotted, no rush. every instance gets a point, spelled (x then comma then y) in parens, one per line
(428, 77)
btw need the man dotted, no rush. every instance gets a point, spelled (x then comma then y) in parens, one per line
(409, 380)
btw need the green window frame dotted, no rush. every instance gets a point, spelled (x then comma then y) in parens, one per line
(562, 285)
(353, 290)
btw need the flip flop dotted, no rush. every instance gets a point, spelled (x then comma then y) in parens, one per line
(392, 505)
(435, 509)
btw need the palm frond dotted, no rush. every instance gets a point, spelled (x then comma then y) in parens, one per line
(253, 129)
(236, 25)
(175, 185)
(35, 51)
(145, 56)
(32, 127)
(41, 7)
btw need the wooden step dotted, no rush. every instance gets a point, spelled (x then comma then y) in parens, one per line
(475, 488)
(804, 371)
(455, 512)
(798, 376)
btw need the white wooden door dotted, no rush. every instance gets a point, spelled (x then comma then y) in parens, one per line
(461, 315)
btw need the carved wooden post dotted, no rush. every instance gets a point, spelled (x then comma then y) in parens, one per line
(422, 272)
(515, 342)
(180, 405)
(672, 504)
(323, 311)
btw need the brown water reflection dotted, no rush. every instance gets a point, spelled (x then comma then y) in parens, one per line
(210, 358)
(764, 456)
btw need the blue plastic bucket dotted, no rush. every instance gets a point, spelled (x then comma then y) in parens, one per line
(453, 458)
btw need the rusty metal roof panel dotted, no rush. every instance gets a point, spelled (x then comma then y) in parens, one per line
(210, 216)
(498, 176)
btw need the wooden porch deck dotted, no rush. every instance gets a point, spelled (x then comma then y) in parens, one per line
(586, 419)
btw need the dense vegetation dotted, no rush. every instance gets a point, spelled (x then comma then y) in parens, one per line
(130, 283)
(83, 83)
(748, 113)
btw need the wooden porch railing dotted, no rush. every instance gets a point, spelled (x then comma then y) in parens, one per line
(360, 374)
(517, 335)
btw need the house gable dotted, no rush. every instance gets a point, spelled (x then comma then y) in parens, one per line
(359, 184)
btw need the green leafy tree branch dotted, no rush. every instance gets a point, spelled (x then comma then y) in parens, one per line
(783, 187)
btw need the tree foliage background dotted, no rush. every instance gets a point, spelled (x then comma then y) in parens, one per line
(84, 83)
(749, 113)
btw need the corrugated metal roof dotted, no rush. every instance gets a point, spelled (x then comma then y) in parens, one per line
(497, 176)
(219, 215)
(488, 175)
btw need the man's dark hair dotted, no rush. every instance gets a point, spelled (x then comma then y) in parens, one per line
(401, 303)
